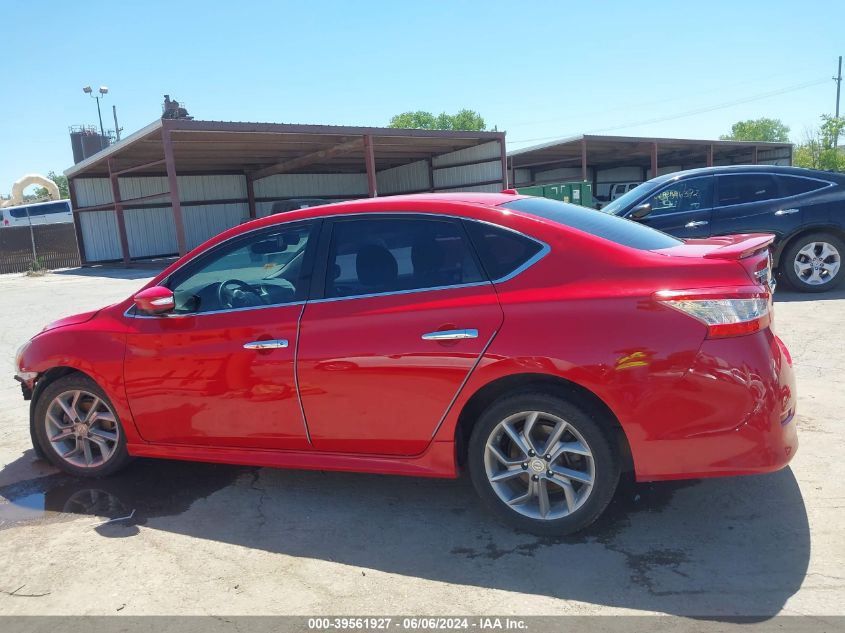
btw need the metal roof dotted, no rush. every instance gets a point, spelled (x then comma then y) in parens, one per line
(238, 147)
(633, 150)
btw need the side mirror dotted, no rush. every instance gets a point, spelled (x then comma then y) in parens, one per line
(155, 300)
(640, 211)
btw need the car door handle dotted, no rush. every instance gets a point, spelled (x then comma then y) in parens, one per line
(449, 335)
(786, 211)
(271, 344)
(695, 223)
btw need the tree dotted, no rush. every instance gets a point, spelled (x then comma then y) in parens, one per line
(61, 183)
(818, 150)
(763, 129)
(421, 120)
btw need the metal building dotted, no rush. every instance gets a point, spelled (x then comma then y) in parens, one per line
(604, 160)
(173, 184)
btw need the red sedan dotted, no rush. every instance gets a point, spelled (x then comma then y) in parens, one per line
(546, 347)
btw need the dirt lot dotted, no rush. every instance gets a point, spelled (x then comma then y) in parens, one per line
(231, 540)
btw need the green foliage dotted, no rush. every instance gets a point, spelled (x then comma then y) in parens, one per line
(61, 183)
(818, 150)
(36, 268)
(421, 120)
(763, 129)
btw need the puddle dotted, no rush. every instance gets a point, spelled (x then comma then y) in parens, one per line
(632, 498)
(152, 488)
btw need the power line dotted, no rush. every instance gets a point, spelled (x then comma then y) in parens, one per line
(646, 104)
(687, 113)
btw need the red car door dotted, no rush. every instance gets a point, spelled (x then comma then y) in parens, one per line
(405, 316)
(219, 371)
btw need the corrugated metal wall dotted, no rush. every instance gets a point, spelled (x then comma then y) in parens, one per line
(486, 168)
(99, 235)
(205, 221)
(403, 179)
(474, 154)
(151, 230)
(311, 186)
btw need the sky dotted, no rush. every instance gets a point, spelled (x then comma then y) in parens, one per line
(537, 70)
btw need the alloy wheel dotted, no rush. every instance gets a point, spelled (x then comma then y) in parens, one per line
(82, 429)
(539, 465)
(817, 263)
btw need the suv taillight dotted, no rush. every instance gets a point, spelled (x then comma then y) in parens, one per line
(726, 312)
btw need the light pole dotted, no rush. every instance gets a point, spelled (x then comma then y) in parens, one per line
(103, 92)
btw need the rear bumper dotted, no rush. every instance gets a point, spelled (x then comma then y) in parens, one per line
(734, 414)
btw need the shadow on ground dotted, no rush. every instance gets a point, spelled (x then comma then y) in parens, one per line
(141, 270)
(711, 548)
(787, 295)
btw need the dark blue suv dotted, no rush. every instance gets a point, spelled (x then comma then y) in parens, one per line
(804, 208)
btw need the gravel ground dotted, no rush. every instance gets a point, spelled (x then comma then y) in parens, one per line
(236, 540)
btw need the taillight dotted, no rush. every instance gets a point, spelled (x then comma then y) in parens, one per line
(763, 274)
(726, 312)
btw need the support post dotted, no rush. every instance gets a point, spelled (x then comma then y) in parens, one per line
(653, 160)
(430, 174)
(710, 155)
(504, 155)
(583, 159)
(250, 196)
(77, 226)
(118, 210)
(370, 160)
(173, 183)
(754, 155)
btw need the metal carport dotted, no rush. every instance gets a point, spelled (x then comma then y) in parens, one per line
(607, 159)
(173, 184)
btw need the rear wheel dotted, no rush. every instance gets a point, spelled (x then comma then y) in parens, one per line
(542, 464)
(77, 428)
(813, 262)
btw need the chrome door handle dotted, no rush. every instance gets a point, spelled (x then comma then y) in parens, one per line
(695, 223)
(449, 335)
(272, 344)
(786, 211)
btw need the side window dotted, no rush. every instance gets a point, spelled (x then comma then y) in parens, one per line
(795, 185)
(253, 271)
(501, 251)
(684, 195)
(746, 188)
(369, 256)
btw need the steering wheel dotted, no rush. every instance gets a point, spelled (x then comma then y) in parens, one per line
(241, 295)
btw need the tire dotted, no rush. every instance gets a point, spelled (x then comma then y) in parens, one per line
(807, 275)
(493, 452)
(106, 442)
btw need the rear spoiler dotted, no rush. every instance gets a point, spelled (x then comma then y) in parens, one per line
(741, 246)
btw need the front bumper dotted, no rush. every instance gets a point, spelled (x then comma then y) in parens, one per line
(735, 414)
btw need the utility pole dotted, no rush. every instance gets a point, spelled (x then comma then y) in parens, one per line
(103, 92)
(117, 129)
(100, 115)
(838, 80)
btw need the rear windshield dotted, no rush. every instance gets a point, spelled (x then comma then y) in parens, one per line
(609, 227)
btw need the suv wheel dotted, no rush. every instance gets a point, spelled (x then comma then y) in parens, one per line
(813, 263)
(542, 464)
(77, 428)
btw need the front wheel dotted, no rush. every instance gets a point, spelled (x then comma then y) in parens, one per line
(813, 262)
(77, 428)
(543, 464)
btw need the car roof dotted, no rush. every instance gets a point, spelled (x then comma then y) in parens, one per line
(784, 170)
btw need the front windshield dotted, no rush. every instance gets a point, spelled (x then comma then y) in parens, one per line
(622, 203)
